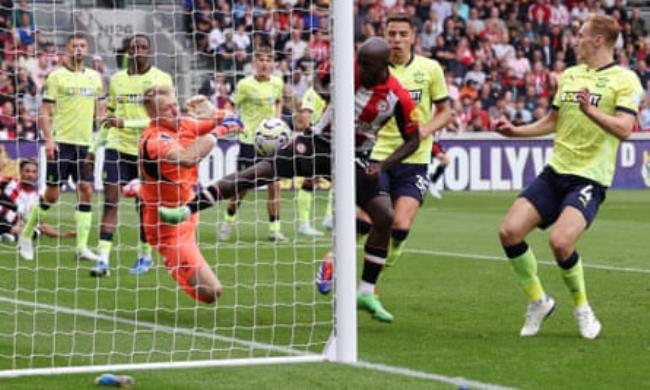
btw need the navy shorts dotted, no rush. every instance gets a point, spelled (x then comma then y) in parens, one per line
(119, 168)
(405, 180)
(247, 156)
(68, 162)
(551, 192)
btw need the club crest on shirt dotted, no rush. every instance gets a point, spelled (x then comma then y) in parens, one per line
(382, 106)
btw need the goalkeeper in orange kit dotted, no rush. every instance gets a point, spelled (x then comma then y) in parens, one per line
(169, 151)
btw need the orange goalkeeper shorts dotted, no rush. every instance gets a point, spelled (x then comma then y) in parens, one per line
(177, 245)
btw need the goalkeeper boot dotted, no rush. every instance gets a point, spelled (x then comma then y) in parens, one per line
(587, 322)
(536, 313)
(324, 277)
(100, 270)
(371, 304)
(86, 254)
(141, 265)
(173, 215)
(305, 229)
(25, 247)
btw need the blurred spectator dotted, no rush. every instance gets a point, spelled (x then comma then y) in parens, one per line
(644, 114)
(520, 65)
(8, 122)
(644, 72)
(297, 47)
(475, 23)
(21, 10)
(428, 35)
(241, 39)
(442, 8)
(580, 11)
(216, 37)
(477, 75)
(229, 58)
(637, 24)
(218, 90)
(26, 33)
(319, 46)
(40, 71)
(100, 67)
(28, 130)
(521, 115)
(31, 101)
(559, 14)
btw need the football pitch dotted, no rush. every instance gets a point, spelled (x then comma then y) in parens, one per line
(457, 307)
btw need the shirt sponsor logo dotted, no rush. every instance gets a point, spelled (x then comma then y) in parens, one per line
(130, 99)
(572, 97)
(81, 91)
(416, 95)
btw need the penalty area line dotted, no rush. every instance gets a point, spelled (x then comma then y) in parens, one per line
(457, 381)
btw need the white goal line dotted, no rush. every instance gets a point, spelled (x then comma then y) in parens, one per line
(297, 356)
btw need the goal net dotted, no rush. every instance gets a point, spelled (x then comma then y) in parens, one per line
(55, 317)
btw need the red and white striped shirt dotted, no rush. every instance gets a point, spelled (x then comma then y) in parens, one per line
(16, 199)
(373, 107)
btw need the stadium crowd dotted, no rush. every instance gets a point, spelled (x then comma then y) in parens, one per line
(500, 56)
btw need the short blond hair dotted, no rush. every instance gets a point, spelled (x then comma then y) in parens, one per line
(604, 25)
(152, 97)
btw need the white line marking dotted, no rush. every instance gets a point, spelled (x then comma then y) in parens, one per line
(320, 244)
(458, 381)
(152, 326)
(503, 259)
(194, 333)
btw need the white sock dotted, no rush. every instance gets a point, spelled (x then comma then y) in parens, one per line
(366, 288)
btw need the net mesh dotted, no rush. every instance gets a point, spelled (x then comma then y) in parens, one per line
(52, 313)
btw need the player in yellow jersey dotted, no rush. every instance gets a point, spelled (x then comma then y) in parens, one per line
(71, 100)
(257, 97)
(126, 120)
(594, 108)
(407, 182)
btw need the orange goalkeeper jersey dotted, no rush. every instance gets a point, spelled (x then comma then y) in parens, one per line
(165, 183)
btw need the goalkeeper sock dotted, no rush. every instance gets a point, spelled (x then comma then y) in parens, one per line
(305, 199)
(104, 245)
(373, 263)
(574, 278)
(524, 263)
(83, 219)
(37, 214)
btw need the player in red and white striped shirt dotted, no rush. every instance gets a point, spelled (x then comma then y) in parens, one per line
(379, 97)
(17, 197)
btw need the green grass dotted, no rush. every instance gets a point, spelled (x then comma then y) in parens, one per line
(457, 307)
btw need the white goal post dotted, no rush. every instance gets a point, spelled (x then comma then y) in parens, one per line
(55, 319)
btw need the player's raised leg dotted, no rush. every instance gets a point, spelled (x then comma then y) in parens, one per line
(520, 220)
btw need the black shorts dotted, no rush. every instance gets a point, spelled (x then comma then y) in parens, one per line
(311, 155)
(68, 163)
(405, 180)
(247, 156)
(551, 192)
(119, 168)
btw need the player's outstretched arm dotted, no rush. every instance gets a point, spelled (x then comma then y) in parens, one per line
(543, 126)
(439, 120)
(619, 125)
(194, 153)
(407, 148)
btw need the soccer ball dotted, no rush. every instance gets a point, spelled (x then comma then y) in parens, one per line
(270, 136)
